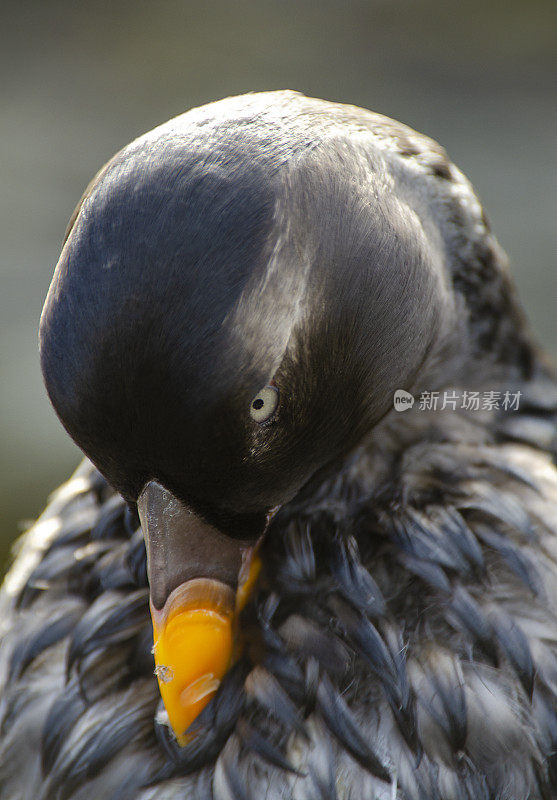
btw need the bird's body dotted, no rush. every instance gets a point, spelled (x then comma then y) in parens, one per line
(402, 642)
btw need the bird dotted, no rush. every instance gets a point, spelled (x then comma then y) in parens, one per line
(311, 551)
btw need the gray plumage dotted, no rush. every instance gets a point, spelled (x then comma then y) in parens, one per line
(402, 644)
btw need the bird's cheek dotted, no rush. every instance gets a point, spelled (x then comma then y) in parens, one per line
(199, 579)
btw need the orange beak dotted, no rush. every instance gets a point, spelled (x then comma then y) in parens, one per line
(194, 604)
(193, 644)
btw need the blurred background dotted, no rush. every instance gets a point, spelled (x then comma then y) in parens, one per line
(80, 80)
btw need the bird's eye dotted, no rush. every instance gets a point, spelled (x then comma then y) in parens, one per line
(264, 404)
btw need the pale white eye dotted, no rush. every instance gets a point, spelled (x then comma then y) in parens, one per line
(264, 404)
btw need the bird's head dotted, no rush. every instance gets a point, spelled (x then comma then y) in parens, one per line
(240, 293)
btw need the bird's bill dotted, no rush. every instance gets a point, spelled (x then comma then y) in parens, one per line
(193, 647)
(199, 581)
